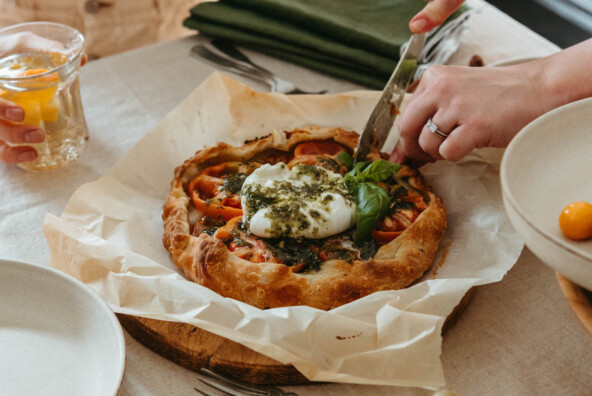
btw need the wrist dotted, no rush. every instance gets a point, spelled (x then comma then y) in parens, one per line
(565, 76)
(537, 89)
(554, 90)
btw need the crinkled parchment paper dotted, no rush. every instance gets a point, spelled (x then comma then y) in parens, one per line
(109, 237)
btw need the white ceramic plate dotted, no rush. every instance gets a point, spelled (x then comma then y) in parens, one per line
(547, 166)
(57, 337)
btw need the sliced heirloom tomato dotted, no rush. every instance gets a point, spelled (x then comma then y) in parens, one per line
(225, 232)
(312, 152)
(246, 253)
(384, 237)
(318, 147)
(393, 225)
(213, 207)
(208, 185)
(249, 249)
(418, 201)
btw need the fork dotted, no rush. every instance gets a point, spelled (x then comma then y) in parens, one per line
(442, 42)
(240, 64)
(237, 388)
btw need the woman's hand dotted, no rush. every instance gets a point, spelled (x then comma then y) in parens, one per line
(476, 107)
(433, 15)
(16, 134)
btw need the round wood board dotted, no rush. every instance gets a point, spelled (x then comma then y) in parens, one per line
(194, 348)
(579, 299)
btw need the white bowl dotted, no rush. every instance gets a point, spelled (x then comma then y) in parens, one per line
(57, 337)
(547, 166)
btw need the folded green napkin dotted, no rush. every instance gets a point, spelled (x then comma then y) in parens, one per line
(358, 40)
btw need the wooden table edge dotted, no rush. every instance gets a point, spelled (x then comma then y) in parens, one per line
(579, 300)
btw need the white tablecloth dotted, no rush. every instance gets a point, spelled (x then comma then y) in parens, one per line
(516, 337)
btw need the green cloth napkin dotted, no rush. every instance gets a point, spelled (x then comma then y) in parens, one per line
(358, 40)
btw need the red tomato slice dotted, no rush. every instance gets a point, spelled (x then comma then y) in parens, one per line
(385, 236)
(318, 147)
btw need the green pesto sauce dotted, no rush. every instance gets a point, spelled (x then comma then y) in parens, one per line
(397, 195)
(241, 242)
(286, 199)
(330, 164)
(234, 182)
(367, 248)
(292, 252)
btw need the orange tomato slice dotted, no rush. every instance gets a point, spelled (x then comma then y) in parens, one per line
(208, 186)
(383, 237)
(225, 232)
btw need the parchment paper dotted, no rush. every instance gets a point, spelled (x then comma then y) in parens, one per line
(109, 237)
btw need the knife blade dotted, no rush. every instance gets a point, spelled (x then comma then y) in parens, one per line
(383, 116)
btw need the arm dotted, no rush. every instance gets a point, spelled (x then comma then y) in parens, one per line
(487, 107)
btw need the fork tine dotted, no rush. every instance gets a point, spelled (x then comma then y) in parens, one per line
(232, 382)
(230, 65)
(277, 84)
(228, 48)
(247, 69)
(222, 388)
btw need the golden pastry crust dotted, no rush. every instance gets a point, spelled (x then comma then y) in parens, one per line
(208, 262)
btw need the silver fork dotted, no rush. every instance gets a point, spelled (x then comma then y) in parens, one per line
(237, 388)
(243, 66)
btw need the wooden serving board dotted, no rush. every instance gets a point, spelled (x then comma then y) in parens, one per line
(579, 299)
(194, 348)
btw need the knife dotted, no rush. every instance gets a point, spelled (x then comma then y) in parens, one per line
(383, 116)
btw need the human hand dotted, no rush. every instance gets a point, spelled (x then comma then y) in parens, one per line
(16, 134)
(433, 15)
(477, 107)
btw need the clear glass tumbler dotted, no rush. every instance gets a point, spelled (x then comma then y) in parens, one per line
(39, 67)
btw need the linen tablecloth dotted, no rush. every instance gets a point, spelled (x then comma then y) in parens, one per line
(517, 336)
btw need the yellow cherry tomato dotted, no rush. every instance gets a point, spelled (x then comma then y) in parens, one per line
(576, 220)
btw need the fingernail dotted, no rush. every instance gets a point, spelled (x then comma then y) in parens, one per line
(418, 25)
(14, 114)
(27, 156)
(34, 136)
(396, 157)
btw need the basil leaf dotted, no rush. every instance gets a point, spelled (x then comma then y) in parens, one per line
(357, 170)
(380, 170)
(359, 167)
(351, 184)
(372, 204)
(347, 159)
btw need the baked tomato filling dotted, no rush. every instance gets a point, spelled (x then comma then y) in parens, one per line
(216, 194)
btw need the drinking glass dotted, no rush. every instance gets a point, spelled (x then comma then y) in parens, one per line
(39, 67)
